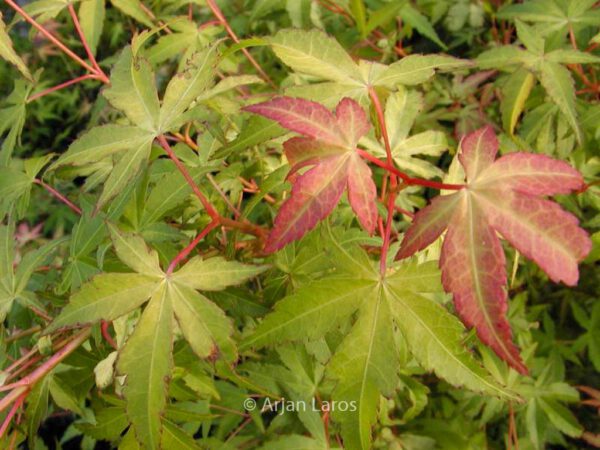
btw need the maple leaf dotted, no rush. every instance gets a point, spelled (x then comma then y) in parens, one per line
(501, 196)
(329, 144)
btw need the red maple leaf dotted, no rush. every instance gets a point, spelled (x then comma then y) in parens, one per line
(501, 196)
(329, 144)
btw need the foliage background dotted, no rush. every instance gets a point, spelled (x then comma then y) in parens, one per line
(79, 403)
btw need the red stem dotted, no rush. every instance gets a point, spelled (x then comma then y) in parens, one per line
(59, 196)
(19, 361)
(44, 369)
(388, 232)
(62, 86)
(50, 36)
(12, 413)
(381, 118)
(408, 179)
(183, 254)
(104, 324)
(101, 75)
(212, 212)
(392, 176)
(219, 15)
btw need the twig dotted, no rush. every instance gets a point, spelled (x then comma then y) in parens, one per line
(59, 196)
(219, 15)
(45, 368)
(50, 36)
(21, 334)
(406, 179)
(88, 76)
(187, 250)
(212, 212)
(12, 413)
(101, 75)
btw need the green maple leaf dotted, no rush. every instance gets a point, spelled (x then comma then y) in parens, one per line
(548, 68)
(12, 118)
(365, 365)
(318, 55)
(133, 92)
(146, 359)
(554, 15)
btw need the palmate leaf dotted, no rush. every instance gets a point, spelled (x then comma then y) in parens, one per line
(329, 145)
(146, 358)
(12, 118)
(500, 196)
(364, 364)
(554, 15)
(132, 90)
(547, 67)
(133, 143)
(185, 38)
(13, 282)
(316, 54)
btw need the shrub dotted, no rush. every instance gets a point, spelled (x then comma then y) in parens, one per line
(296, 224)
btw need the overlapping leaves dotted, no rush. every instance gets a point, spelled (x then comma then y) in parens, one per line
(133, 92)
(146, 358)
(365, 364)
(503, 197)
(318, 55)
(547, 64)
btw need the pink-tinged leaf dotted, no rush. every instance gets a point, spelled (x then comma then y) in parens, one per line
(314, 195)
(302, 116)
(302, 152)
(428, 224)
(362, 192)
(473, 270)
(500, 198)
(540, 230)
(533, 174)
(478, 151)
(329, 143)
(352, 120)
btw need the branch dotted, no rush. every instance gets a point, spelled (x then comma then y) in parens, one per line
(101, 75)
(50, 37)
(59, 196)
(89, 76)
(27, 382)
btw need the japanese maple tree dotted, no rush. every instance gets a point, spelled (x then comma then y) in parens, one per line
(276, 224)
